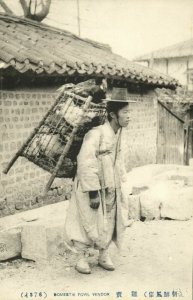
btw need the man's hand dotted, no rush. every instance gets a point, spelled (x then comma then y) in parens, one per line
(94, 199)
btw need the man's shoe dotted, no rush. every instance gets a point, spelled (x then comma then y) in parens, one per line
(82, 266)
(105, 261)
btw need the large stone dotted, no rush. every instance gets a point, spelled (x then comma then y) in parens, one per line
(180, 204)
(156, 185)
(134, 207)
(150, 205)
(146, 176)
(42, 241)
(44, 222)
(10, 244)
(168, 199)
(183, 176)
(57, 211)
(141, 177)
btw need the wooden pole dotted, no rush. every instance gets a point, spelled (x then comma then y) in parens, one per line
(78, 17)
(187, 145)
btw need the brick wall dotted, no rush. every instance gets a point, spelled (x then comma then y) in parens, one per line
(141, 132)
(22, 187)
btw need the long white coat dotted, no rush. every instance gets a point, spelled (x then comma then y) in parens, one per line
(99, 167)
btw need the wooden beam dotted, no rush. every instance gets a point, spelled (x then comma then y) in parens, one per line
(170, 111)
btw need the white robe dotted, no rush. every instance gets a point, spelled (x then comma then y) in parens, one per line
(99, 167)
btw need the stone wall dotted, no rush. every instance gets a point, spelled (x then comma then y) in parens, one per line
(22, 187)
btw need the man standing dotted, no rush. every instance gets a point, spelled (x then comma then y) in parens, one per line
(97, 211)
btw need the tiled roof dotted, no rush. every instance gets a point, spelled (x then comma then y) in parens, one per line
(27, 45)
(182, 49)
(179, 96)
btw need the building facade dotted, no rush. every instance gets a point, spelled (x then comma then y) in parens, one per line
(35, 60)
(176, 61)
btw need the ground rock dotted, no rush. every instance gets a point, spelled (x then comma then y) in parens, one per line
(56, 210)
(10, 244)
(41, 241)
(134, 207)
(180, 204)
(42, 224)
(183, 174)
(167, 199)
(141, 177)
(145, 176)
(150, 205)
(164, 191)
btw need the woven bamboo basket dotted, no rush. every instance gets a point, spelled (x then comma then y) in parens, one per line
(55, 143)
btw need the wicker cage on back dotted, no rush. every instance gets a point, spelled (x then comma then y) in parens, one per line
(55, 143)
(47, 145)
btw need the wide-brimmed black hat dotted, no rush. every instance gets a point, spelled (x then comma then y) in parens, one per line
(119, 95)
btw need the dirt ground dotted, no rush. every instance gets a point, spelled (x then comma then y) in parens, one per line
(156, 261)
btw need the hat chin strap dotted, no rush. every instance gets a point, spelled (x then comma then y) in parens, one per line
(118, 121)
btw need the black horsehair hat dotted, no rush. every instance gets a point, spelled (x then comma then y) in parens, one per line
(118, 100)
(119, 95)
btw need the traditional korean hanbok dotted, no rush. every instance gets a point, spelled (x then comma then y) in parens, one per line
(99, 167)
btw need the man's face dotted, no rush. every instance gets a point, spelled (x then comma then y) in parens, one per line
(123, 116)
